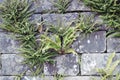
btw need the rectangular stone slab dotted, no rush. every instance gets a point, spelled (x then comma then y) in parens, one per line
(7, 77)
(47, 5)
(67, 64)
(94, 42)
(57, 19)
(62, 78)
(8, 44)
(113, 44)
(11, 64)
(70, 18)
(38, 78)
(89, 63)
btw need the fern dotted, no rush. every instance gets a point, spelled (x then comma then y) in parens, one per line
(109, 11)
(107, 72)
(61, 5)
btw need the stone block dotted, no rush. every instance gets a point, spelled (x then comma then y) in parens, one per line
(36, 18)
(7, 77)
(82, 78)
(50, 69)
(94, 42)
(67, 64)
(77, 5)
(8, 44)
(91, 62)
(11, 64)
(43, 5)
(47, 5)
(113, 44)
(58, 19)
(38, 78)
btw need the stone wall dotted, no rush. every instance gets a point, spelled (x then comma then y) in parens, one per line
(93, 49)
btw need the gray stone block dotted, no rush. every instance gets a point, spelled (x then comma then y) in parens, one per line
(62, 78)
(8, 44)
(57, 19)
(47, 5)
(113, 44)
(68, 18)
(43, 5)
(94, 42)
(81, 78)
(7, 77)
(95, 19)
(67, 64)
(50, 69)
(38, 78)
(11, 64)
(77, 5)
(91, 62)
(36, 18)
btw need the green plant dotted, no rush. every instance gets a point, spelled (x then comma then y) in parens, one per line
(107, 72)
(61, 39)
(105, 6)
(109, 11)
(15, 15)
(58, 77)
(61, 5)
(85, 24)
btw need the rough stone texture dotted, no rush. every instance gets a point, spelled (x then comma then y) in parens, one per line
(7, 77)
(50, 69)
(65, 65)
(11, 64)
(95, 19)
(113, 44)
(36, 18)
(94, 42)
(57, 19)
(62, 78)
(47, 5)
(68, 64)
(70, 18)
(77, 5)
(82, 78)
(38, 78)
(43, 5)
(8, 44)
(89, 62)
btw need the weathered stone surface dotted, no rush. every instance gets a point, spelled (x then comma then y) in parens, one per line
(113, 44)
(62, 78)
(11, 64)
(47, 5)
(50, 69)
(7, 77)
(95, 19)
(36, 18)
(67, 64)
(82, 78)
(8, 44)
(38, 78)
(94, 42)
(89, 63)
(77, 5)
(58, 19)
(43, 5)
